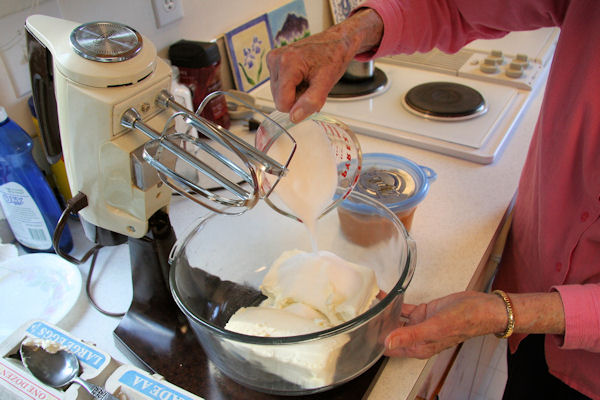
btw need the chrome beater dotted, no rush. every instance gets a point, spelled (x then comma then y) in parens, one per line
(247, 163)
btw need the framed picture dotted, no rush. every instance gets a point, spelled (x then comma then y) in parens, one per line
(340, 9)
(288, 23)
(247, 46)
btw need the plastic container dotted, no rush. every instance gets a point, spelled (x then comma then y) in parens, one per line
(199, 65)
(395, 181)
(27, 200)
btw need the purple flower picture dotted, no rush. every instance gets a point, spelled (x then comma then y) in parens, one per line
(247, 46)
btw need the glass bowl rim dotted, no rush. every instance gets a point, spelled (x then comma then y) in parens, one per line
(398, 289)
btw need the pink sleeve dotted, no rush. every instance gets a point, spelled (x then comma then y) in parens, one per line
(582, 316)
(421, 25)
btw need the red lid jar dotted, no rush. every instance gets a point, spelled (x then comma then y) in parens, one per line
(199, 65)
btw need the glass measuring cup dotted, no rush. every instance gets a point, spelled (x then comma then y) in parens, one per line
(344, 145)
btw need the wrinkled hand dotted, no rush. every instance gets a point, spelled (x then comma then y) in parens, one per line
(303, 72)
(445, 322)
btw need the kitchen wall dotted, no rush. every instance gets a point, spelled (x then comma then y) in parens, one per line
(203, 20)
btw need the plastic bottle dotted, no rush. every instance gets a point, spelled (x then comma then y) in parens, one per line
(28, 202)
(183, 95)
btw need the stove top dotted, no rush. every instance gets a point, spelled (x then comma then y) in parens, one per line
(495, 87)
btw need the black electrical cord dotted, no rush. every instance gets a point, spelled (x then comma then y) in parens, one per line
(74, 205)
(88, 290)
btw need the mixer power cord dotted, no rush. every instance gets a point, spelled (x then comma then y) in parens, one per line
(74, 205)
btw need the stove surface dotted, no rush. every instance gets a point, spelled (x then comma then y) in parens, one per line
(384, 116)
(479, 139)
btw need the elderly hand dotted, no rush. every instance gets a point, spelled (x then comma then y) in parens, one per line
(303, 72)
(445, 322)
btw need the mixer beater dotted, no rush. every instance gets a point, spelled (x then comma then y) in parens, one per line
(246, 154)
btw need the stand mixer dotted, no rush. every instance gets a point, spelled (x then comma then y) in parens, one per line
(102, 98)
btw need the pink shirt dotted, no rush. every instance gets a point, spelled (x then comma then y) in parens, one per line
(555, 237)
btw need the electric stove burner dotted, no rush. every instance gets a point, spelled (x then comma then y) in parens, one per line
(347, 89)
(445, 101)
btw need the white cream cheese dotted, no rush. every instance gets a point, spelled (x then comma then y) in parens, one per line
(309, 365)
(338, 289)
(306, 292)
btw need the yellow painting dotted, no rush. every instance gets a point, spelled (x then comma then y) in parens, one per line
(248, 46)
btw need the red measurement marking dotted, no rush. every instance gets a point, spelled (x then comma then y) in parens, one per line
(24, 385)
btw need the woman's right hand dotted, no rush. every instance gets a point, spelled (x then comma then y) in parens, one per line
(303, 72)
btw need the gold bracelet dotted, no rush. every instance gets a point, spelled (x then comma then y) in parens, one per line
(510, 325)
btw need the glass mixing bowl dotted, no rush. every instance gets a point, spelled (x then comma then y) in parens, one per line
(219, 265)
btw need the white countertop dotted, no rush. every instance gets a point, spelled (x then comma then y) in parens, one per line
(453, 228)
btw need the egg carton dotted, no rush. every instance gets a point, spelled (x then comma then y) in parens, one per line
(131, 383)
(16, 382)
(124, 381)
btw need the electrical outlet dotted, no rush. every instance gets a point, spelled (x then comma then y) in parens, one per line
(167, 11)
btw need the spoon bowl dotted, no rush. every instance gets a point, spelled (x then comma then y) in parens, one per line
(57, 369)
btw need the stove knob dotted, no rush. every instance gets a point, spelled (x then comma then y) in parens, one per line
(489, 66)
(522, 59)
(514, 70)
(497, 56)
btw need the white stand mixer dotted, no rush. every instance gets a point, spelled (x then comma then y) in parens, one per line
(108, 91)
(107, 80)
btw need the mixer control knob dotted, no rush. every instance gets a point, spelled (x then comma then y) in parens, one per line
(514, 70)
(489, 66)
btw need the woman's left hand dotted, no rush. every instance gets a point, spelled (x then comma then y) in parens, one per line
(445, 322)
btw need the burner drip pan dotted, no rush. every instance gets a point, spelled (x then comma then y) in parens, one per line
(446, 101)
(348, 89)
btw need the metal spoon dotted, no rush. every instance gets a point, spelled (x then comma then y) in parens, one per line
(58, 369)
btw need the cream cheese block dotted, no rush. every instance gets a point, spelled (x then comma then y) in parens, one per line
(338, 289)
(309, 365)
(306, 292)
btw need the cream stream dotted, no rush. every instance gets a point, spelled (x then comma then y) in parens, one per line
(311, 181)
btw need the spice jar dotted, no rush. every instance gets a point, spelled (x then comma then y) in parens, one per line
(395, 181)
(199, 65)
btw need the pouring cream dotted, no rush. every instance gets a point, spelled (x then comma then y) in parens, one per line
(311, 181)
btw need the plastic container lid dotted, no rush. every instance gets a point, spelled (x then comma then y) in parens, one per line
(395, 181)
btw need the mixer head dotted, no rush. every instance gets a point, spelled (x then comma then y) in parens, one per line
(115, 117)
